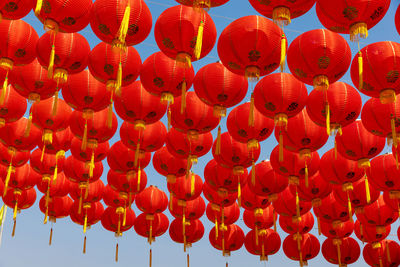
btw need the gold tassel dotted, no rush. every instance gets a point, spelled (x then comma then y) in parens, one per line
(368, 195)
(80, 204)
(253, 173)
(116, 253)
(349, 207)
(151, 232)
(55, 173)
(119, 79)
(55, 104)
(28, 126)
(13, 230)
(280, 146)
(319, 225)
(139, 175)
(4, 91)
(91, 165)
(183, 97)
(283, 53)
(137, 151)
(169, 118)
(188, 260)
(251, 112)
(218, 142)
(199, 41)
(380, 262)
(192, 185)
(256, 232)
(150, 258)
(85, 223)
(42, 155)
(306, 172)
(339, 254)
(84, 138)
(360, 71)
(51, 236)
(216, 227)
(297, 204)
(124, 218)
(38, 7)
(389, 258)
(110, 115)
(84, 245)
(335, 149)
(123, 29)
(393, 126)
(328, 118)
(239, 194)
(50, 69)
(15, 210)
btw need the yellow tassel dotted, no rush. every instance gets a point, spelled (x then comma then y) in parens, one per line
(110, 115)
(283, 52)
(389, 258)
(15, 210)
(42, 155)
(239, 195)
(4, 91)
(55, 104)
(192, 185)
(368, 195)
(253, 173)
(151, 232)
(9, 171)
(199, 41)
(137, 151)
(394, 134)
(218, 142)
(116, 253)
(216, 227)
(51, 236)
(50, 69)
(14, 226)
(139, 174)
(183, 97)
(80, 204)
(306, 173)
(328, 119)
(124, 218)
(280, 146)
(55, 173)
(150, 258)
(38, 7)
(28, 125)
(84, 138)
(297, 204)
(169, 118)
(119, 79)
(123, 29)
(251, 112)
(91, 165)
(85, 223)
(349, 207)
(360, 71)
(84, 245)
(339, 254)
(2, 214)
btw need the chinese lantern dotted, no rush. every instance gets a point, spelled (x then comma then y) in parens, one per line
(220, 88)
(17, 47)
(13, 10)
(117, 199)
(164, 77)
(11, 157)
(222, 215)
(184, 34)
(319, 58)
(230, 239)
(341, 251)
(316, 190)
(289, 204)
(61, 141)
(302, 226)
(301, 247)
(84, 193)
(251, 201)
(186, 189)
(370, 234)
(332, 211)
(59, 188)
(378, 77)
(268, 243)
(127, 183)
(258, 219)
(338, 231)
(13, 135)
(342, 100)
(383, 173)
(194, 231)
(78, 171)
(152, 200)
(220, 197)
(100, 152)
(351, 17)
(191, 209)
(12, 107)
(383, 253)
(31, 81)
(49, 164)
(205, 4)
(261, 54)
(151, 225)
(377, 214)
(121, 23)
(22, 178)
(168, 165)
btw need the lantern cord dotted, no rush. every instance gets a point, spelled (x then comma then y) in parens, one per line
(137, 152)
(169, 118)
(13, 230)
(306, 172)
(339, 254)
(119, 77)
(150, 258)
(55, 103)
(188, 260)
(280, 146)
(28, 126)
(80, 203)
(251, 112)
(183, 98)
(393, 126)
(319, 225)
(84, 245)
(253, 172)
(328, 118)
(110, 115)
(84, 138)
(218, 142)
(389, 258)
(3, 218)
(256, 233)
(239, 193)
(335, 149)
(116, 253)
(367, 192)
(4, 91)
(51, 236)
(274, 218)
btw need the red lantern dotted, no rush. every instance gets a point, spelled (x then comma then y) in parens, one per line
(262, 52)
(152, 200)
(186, 189)
(351, 17)
(238, 125)
(263, 243)
(91, 215)
(98, 152)
(206, 4)
(370, 234)
(280, 96)
(251, 201)
(194, 231)
(230, 239)
(184, 33)
(117, 199)
(78, 171)
(378, 78)
(138, 106)
(192, 209)
(13, 106)
(319, 58)
(164, 77)
(57, 188)
(260, 219)
(332, 211)
(219, 197)
(302, 226)
(384, 253)
(122, 160)
(123, 23)
(70, 50)
(13, 135)
(31, 81)
(22, 178)
(9, 156)
(316, 189)
(342, 100)
(378, 214)
(168, 165)
(61, 141)
(87, 192)
(268, 182)
(151, 225)
(336, 169)
(127, 183)
(112, 219)
(47, 163)
(341, 251)
(383, 173)
(222, 215)
(282, 12)
(289, 204)
(337, 231)
(301, 247)
(216, 86)
(56, 207)
(15, 10)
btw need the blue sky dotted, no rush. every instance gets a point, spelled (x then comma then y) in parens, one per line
(30, 245)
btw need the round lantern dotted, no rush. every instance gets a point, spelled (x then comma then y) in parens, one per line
(332, 211)
(194, 231)
(370, 234)
(220, 197)
(265, 242)
(13, 10)
(78, 171)
(301, 248)
(151, 225)
(383, 173)
(168, 165)
(316, 189)
(302, 226)
(230, 239)
(205, 4)
(13, 135)
(12, 107)
(341, 251)
(121, 159)
(191, 210)
(61, 141)
(261, 218)
(127, 183)
(152, 200)
(22, 178)
(97, 153)
(378, 214)
(85, 193)
(186, 189)
(338, 231)
(289, 204)
(384, 253)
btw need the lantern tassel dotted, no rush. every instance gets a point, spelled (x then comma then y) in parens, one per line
(91, 165)
(239, 195)
(319, 225)
(150, 258)
(4, 91)
(218, 142)
(251, 112)
(28, 126)
(360, 71)
(139, 176)
(183, 98)
(51, 236)
(256, 233)
(188, 260)
(199, 41)
(328, 119)
(110, 115)
(84, 138)
(80, 204)
(380, 262)
(123, 29)
(297, 204)
(280, 146)
(137, 151)
(253, 173)
(367, 193)
(38, 7)
(85, 223)
(349, 207)
(274, 219)
(335, 149)
(192, 188)
(216, 227)
(116, 253)
(43, 151)
(9, 171)
(50, 69)
(306, 173)
(393, 126)
(124, 218)
(397, 159)
(119, 79)
(84, 245)
(283, 52)
(169, 118)
(389, 258)
(13, 230)
(339, 254)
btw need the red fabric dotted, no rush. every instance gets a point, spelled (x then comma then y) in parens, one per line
(70, 15)
(251, 41)
(377, 213)
(372, 255)
(152, 200)
(280, 93)
(16, 9)
(357, 143)
(110, 219)
(31, 80)
(197, 116)
(384, 173)
(285, 205)
(22, 178)
(42, 115)
(17, 160)
(83, 92)
(251, 201)
(233, 237)
(124, 183)
(214, 84)
(219, 197)
(96, 191)
(194, 231)
(339, 16)
(71, 51)
(78, 171)
(122, 160)
(107, 16)
(12, 134)
(344, 229)
(317, 188)
(309, 246)
(380, 68)
(59, 188)
(319, 52)
(267, 182)
(47, 166)
(369, 234)
(14, 106)
(61, 141)
(100, 152)
(270, 240)
(180, 146)
(151, 139)
(344, 105)
(302, 226)
(135, 103)
(160, 225)
(161, 74)
(217, 176)
(25, 200)
(193, 210)
(19, 41)
(176, 31)
(113, 198)
(349, 251)
(181, 188)
(104, 63)
(297, 8)
(93, 213)
(231, 213)
(58, 207)
(211, 3)
(166, 164)
(263, 221)
(331, 210)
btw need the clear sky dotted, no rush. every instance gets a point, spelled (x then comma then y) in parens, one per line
(30, 245)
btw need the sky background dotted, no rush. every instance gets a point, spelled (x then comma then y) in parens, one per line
(30, 245)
